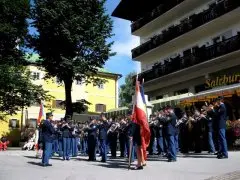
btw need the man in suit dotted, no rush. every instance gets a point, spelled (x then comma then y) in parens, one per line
(221, 120)
(47, 139)
(103, 128)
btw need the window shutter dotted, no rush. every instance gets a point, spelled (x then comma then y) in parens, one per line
(96, 107)
(53, 103)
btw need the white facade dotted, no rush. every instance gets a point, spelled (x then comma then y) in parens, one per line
(214, 31)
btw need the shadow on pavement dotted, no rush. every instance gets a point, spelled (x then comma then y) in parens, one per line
(35, 163)
(114, 165)
(83, 159)
(31, 157)
(197, 156)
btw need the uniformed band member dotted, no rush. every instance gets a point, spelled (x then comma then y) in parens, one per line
(103, 128)
(66, 135)
(47, 139)
(221, 120)
(92, 139)
(169, 121)
(123, 137)
(164, 134)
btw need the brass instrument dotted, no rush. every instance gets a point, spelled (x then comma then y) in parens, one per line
(113, 127)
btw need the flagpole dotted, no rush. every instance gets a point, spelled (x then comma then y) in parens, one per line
(131, 140)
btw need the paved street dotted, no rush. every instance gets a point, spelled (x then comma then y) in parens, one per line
(22, 165)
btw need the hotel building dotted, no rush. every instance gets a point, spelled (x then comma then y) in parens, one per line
(189, 51)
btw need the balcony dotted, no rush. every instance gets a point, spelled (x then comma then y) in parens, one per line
(191, 24)
(158, 11)
(196, 60)
(132, 10)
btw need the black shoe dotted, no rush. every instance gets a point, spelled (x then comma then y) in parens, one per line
(138, 168)
(222, 157)
(44, 165)
(49, 165)
(165, 155)
(216, 153)
(103, 160)
(172, 160)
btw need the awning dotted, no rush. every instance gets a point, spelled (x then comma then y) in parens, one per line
(213, 93)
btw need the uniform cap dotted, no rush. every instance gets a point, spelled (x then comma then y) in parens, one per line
(49, 114)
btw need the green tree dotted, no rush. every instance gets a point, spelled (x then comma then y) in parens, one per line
(13, 30)
(72, 39)
(16, 90)
(127, 90)
(78, 107)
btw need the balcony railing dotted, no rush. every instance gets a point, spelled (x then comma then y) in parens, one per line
(187, 25)
(192, 57)
(158, 11)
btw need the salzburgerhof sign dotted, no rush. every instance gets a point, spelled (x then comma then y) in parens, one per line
(222, 80)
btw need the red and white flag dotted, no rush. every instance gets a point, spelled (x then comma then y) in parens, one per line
(140, 114)
(41, 114)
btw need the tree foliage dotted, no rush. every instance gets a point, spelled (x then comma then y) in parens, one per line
(72, 40)
(78, 107)
(16, 90)
(13, 30)
(127, 90)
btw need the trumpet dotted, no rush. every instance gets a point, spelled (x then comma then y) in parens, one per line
(113, 127)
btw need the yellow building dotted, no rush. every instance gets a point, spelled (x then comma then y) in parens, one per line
(102, 97)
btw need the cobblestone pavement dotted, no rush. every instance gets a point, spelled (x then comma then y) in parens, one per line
(22, 165)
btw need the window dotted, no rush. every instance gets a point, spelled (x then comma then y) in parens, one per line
(100, 108)
(32, 123)
(217, 40)
(35, 104)
(101, 86)
(181, 91)
(78, 82)
(13, 123)
(35, 75)
(57, 104)
(58, 81)
(159, 97)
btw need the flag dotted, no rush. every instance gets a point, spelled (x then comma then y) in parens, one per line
(41, 114)
(140, 114)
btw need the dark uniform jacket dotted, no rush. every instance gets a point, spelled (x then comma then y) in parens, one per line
(153, 131)
(210, 119)
(134, 131)
(222, 116)
(103, 128)
(47, 131)
(169, 124)
(66, 132)
(92, 131)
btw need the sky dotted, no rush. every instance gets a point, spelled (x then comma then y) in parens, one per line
(124, 42)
